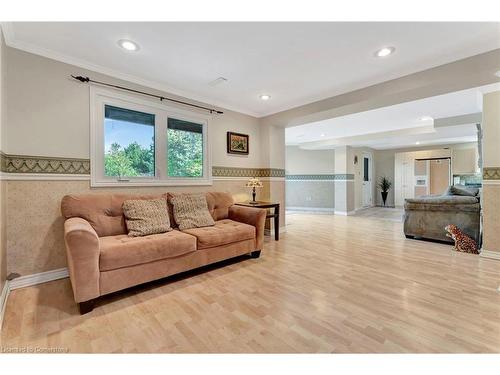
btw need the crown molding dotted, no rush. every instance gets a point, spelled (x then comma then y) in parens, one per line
(11, 41)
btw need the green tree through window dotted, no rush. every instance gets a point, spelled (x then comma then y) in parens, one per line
(184, 149)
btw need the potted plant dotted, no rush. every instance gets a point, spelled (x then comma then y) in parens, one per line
(384, 184)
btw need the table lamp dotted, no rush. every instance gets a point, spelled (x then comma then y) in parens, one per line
(254, 182)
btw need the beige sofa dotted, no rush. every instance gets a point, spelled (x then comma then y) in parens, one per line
(103, 259)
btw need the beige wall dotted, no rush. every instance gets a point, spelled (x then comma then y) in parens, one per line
(491, 129)
(299, 161)
(3, 242)
(491, 160)
(48, 115)
(307, 193)
(34, 234)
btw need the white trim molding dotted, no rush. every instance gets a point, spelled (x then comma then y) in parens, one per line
(42, 177)
(38, 278)
(344, 213)
(490, 254)
(102, 97)
(3, 301)
(28, 280)
(310, 209)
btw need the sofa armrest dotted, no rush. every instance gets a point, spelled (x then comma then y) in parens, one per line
(251, 216)
(82, 251)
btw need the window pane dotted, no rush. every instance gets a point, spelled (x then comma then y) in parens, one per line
(365, 169)
(184, 148)
(129, 146)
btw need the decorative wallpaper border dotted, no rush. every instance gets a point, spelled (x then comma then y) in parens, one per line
(71, 166)
(319, 177)
(247, 172)
(43, 164)
(491, 173)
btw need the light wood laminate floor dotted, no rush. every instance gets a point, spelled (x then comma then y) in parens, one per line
(331, 284)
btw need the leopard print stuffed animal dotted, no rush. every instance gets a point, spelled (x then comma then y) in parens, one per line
(463, 242)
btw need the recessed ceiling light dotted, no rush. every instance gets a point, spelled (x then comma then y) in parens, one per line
(322, 134)
(417, 142)
(128, 45)
(265, 97)
(386, 51)
(426, 118)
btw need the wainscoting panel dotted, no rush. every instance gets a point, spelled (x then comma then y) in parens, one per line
(310, 193)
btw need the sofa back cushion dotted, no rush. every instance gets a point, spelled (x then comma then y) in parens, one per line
(103, 211)
(218, 205)
(462, 190)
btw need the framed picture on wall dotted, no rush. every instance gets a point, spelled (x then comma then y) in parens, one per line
(237, 143)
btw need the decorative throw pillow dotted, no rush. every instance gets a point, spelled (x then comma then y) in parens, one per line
(145, 217)
(191, 211)
(462, 190)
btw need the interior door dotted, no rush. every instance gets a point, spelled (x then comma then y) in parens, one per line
(367, 180)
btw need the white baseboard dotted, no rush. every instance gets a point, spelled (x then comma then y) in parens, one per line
(490, 254)
(3, 300)
(310, 209)
(344, 213)
(28, 280)
(38, 278)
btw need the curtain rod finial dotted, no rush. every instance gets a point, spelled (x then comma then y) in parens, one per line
(81, 79)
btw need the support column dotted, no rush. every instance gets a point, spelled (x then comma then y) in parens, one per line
(273, 154)
(344, 181)
(490, 200)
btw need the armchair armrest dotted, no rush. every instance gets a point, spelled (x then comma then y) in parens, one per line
(82, 251)
(251, 216)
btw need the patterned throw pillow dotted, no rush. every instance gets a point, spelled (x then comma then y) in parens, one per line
(145, 217)
(191, 211)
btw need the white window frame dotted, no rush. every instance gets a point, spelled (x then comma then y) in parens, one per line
(99, 97)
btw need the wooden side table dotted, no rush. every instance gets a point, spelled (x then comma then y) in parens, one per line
(275, 214)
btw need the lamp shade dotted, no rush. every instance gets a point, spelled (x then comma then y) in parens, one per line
(254, 183)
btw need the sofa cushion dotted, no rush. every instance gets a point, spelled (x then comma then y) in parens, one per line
(124, 251)
(103, 211)
(219, 203)
(455, 203)
(223, 232)
(191, 211)
(144, 217)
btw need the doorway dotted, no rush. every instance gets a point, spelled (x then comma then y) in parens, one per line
(367, 180)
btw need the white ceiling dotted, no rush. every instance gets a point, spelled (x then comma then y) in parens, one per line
(295, 63)
(395, 126)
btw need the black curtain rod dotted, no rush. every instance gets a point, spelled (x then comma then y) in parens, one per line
(87, 80)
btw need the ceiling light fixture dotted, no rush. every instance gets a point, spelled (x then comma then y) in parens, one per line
(426, 118)
(128, 45)
(497, 73)
(417, 142)
(322, 134)
(384, 52)
(265, 97)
